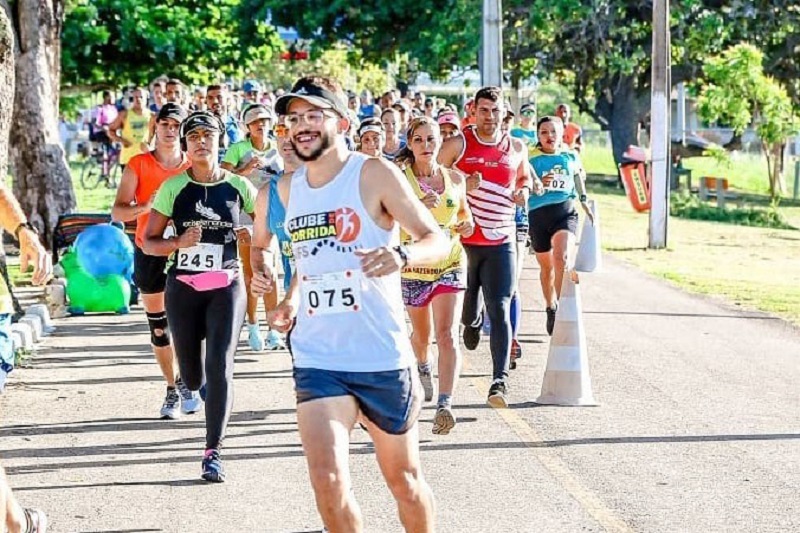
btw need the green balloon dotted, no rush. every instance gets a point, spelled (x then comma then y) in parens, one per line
(87, 293)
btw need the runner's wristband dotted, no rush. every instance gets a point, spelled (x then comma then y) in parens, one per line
(25, 225)
(404, 254)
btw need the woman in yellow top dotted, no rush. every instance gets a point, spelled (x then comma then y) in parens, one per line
(135, 126)
(436, 289)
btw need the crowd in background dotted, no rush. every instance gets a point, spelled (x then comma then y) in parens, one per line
(385, 116)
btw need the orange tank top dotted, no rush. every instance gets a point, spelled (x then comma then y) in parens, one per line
(150, 175)
(571, 133)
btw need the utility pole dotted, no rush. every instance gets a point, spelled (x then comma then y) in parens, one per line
(660, 126)
(492, 44)
(682, 111)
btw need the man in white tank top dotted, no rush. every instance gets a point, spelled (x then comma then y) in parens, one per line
(349, 342)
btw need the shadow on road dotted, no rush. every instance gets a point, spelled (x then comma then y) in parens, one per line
(688, 315)
(137, 424)
(270, 374)
(163, 483)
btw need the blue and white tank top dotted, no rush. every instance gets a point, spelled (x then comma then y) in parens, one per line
(275, 223)
(346, 322)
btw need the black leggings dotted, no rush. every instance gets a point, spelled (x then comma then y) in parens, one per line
(216, 316)
(492, 269)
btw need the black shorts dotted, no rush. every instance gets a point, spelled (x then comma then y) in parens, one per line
(546, 221)
(148, 272)
(100, 136)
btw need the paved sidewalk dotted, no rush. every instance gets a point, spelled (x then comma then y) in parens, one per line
(697, 431)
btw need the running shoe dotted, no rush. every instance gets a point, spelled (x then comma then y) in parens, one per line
(35, 521)
(171, 409)
(443, 420)
(497, 395)
(486, 327)
(274, 341)
(516, 353)
(190, 400)
(551, 318)
(472, 335)
(426, 378)
(255, 338)
(212, 467)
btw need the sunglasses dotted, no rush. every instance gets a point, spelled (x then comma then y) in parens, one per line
(529, 113)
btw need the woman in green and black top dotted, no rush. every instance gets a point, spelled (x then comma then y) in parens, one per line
(205, 297)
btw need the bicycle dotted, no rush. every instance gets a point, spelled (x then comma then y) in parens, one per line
(101, 166)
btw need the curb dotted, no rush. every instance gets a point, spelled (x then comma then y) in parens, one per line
(31, 328)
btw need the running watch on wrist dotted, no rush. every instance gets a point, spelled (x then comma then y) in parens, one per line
(582, 198)
(403, 252)
(25, 225)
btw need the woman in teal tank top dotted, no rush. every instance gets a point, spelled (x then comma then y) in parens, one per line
(553, 219)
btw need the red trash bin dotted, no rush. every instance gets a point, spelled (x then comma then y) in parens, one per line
(636, 178)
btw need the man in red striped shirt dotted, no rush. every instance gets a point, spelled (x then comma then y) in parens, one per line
(499, 180)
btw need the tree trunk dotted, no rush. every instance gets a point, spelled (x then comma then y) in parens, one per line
(623, 110)
(6, 110)
(516, 103)
(777, 183)
(623, 125)
(6, 87)
(42, 181)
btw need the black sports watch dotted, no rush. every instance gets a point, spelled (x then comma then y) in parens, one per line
(582, 198)
(403, 252)
(25, 225)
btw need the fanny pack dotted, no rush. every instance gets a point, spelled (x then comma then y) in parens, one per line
(208, 281)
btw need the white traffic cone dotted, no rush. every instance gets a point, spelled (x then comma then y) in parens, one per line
(589, 258)
(566, 379)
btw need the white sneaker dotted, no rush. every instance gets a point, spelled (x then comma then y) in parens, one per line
(190, 400)
(171, 409)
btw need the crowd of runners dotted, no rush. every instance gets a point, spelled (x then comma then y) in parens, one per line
(375, 212)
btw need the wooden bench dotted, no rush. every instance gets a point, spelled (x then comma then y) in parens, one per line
(715, 187)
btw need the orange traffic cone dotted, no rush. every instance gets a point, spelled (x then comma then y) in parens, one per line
(566, 378)
(589, 258)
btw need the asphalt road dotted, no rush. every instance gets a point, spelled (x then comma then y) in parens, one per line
(697, 430)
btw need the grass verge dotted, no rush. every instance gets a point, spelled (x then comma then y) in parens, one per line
(745, 172)
(97, 200)
(753, 267)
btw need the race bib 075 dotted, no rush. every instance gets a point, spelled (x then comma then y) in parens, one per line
(331, 293)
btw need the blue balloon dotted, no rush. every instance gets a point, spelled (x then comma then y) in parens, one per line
(104, 250)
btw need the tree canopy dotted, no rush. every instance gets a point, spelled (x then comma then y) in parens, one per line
(348, 66)
(735, 91)
(437, 34)
(121, 41)
(601, 49)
